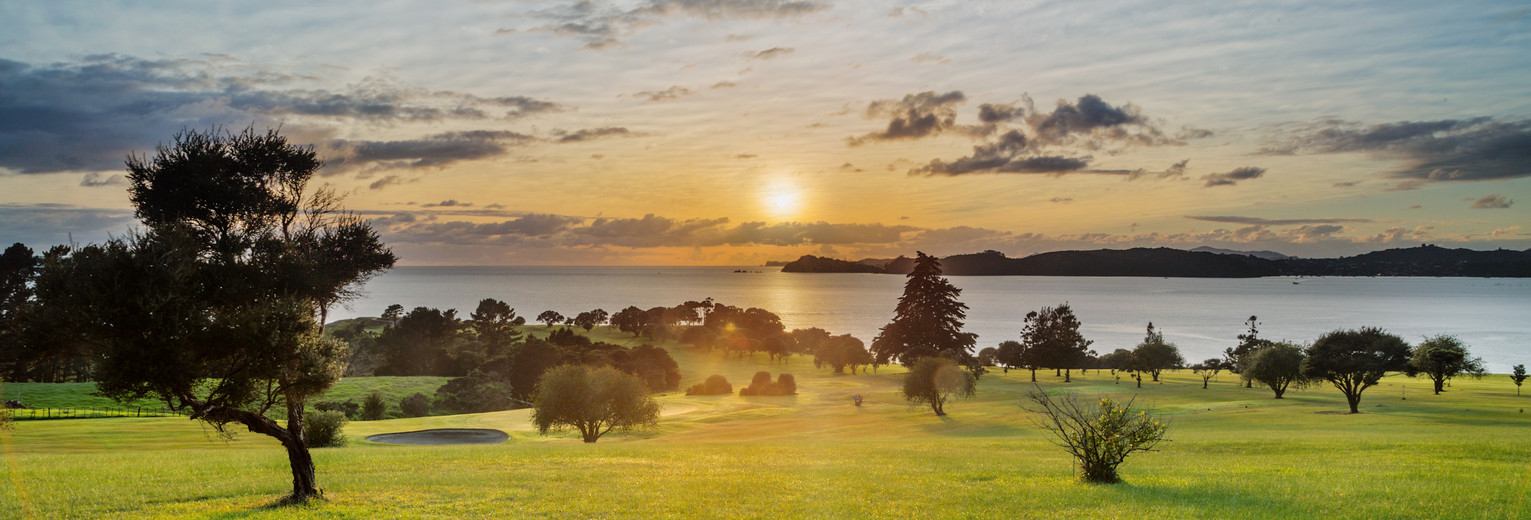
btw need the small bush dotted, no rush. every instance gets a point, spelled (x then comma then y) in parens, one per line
(714, 385)
(347, 407)
(1099, 435)
(761, 385)
(786, 384)
(417, 405)
(325, 429)
(373, 408)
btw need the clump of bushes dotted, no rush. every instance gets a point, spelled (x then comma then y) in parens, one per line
(417, 405)
(347, 408)
(324, 429)
(373, 408)
(714, 385)
(761, 385)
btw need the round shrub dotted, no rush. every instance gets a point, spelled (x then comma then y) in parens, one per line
(324, 429)
(786, 385)
(417, 405)
(714, 385)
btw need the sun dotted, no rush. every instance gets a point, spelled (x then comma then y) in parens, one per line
(782, 199)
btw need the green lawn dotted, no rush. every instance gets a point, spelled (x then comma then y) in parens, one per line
(1234, 453)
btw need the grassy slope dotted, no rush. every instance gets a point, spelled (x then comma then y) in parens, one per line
(1236, 453)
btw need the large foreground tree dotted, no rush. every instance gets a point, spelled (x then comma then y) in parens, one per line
(593, 401)
(216, 307)
(1354, 360)
(927, 321)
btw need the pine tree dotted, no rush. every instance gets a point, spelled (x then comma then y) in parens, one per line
(927, 321)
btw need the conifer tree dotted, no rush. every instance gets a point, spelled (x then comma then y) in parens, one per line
(927, 321)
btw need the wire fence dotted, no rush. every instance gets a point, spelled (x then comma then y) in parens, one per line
(41, 414)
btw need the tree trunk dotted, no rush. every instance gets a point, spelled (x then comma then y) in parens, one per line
(1204, 383)
(1057, 372)
(304, 484)
(1249, 383)
(1034, 377)
(1438, 383)
(1140, 380)
(1066, 377)
(1355, 402)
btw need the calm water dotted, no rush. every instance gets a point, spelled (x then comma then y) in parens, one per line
(1202, 316)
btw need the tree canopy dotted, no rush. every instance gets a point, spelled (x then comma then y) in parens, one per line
(936, 380)
(216, 307)
(1154, 355)
(593, 401)
(1354, 360)
(1441, 358)
(1278, 366)
(1052, 339)
(927, 321)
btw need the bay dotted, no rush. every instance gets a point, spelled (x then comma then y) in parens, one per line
(1202, 316)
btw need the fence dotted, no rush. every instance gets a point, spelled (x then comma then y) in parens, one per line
(40, 414)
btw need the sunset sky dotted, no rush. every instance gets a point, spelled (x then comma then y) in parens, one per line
(675, 132)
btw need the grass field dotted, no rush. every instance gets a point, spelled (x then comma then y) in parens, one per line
(1234, 453)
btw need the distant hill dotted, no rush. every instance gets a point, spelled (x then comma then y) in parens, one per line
(816, 264)
(1268, 255)
(1425, 260)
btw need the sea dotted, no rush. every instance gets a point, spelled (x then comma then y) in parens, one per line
(1202, 316)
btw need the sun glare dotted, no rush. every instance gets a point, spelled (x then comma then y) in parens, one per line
(782, 199)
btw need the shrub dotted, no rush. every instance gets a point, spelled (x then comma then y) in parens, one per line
(786, 384)
(417, 405)
(475, 393)
(714, 385)
(347, 407)
(373, 408)
(5, 411)
(592, 400)
(1099, 435)
(761, 385)
(324, 429)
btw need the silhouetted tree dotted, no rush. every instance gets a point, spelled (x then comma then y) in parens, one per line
(842, 351)
(550, 318)
(927, 321)
(593, 401)
(631, 320)
(1154, 355)
(1277, 365)
(935, 380)
(651, 364)
(1518, 377)
(1052, 339)
(217, 306)
(426, 342)
(1236, 358)
(1441, 358)
(393, 313)
(495, 324)
(1354, 360)
(714, 385)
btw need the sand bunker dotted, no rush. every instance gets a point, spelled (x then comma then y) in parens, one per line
(442, 436)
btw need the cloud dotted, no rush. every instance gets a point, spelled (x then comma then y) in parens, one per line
(1016, 138)
(770, 54)
(449, 203)
(431, 151)
(916, 116)
(391, 180)
(590, 134)
(95, 179)
(929, 57)
(723, 84)
(41, 225)
(1493, 202)
(1233, 177)
(87, 114)
(1473, 149)
(674, 92)
(1256, 221)
(601, 25)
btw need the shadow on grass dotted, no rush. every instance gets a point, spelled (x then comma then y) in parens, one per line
(282, 506)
